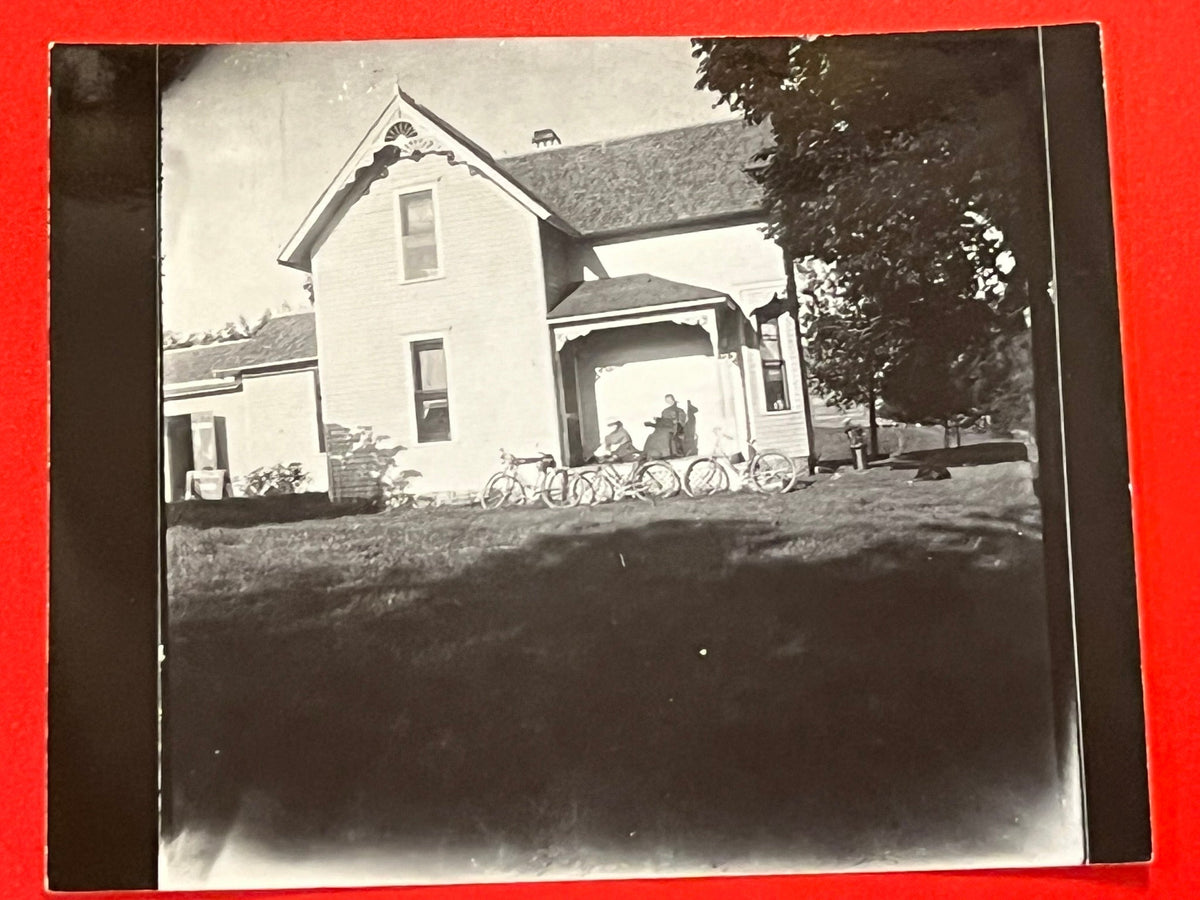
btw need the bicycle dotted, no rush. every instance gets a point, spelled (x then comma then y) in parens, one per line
(765, 471)
(507, 488)
(646, 479)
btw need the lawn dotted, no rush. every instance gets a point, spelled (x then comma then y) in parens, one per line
(830, 443)
(852, 674)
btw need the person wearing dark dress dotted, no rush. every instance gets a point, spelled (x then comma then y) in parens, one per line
(691, 434)
(677, 418)
(660, 443)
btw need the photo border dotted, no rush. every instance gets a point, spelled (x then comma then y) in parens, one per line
(116, 661)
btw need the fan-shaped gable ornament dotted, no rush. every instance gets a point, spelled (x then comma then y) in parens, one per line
(410, 142)
(400, 130)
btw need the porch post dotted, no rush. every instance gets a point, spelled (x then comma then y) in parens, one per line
(560, 403)
(741, 398)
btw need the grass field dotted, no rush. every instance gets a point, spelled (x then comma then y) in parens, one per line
(853, 674)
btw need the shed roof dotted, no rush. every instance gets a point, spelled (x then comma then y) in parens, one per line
(281, 339)
(628, 292)
(648, 182)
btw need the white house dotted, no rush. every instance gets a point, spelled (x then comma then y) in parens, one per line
(244, 404)
(466, 304)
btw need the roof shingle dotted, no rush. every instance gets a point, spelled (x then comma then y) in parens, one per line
(280, 339)
(627, 292)
(649, 181)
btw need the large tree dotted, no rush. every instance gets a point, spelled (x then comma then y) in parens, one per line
(908, 164)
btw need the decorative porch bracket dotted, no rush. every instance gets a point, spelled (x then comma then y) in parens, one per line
(704, 318)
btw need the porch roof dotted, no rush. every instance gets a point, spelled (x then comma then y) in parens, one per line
(627, 293)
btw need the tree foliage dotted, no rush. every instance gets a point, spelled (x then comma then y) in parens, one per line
(900, 180)
(236, 330)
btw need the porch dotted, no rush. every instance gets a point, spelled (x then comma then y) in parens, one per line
(622, 344)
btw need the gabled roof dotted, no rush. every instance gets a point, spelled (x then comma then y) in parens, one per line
(290, 338)
(629, 292)
(405, 129)
(649, 182)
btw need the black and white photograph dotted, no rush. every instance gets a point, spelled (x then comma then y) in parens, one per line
(610, 458)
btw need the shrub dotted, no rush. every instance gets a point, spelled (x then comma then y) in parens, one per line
(363, 464)
(281, 478)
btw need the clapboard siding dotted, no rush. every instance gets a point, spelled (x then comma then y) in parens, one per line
(282, 413)
(779, 430)
(271, 419)
(489, 308)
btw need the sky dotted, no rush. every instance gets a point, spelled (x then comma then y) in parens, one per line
(255, 132)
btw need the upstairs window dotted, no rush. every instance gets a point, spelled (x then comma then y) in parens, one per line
(774, 369)
(431, 391)
(420, 256)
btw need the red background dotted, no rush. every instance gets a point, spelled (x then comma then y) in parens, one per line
(1153, 93)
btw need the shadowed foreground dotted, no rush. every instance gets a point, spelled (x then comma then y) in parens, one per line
(851, 675)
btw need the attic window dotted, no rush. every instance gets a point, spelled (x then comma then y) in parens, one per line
(401, 129)
(416, 213)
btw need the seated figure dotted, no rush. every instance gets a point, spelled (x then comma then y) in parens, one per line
(662, 443)
(617, 445)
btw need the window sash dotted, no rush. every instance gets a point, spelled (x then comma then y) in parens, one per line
(431, 396)
(419, 250)
(774, 370)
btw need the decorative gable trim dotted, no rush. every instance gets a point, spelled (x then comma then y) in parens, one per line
(404, 130)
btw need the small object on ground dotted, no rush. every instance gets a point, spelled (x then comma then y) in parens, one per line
(826, 469)
(932, 473)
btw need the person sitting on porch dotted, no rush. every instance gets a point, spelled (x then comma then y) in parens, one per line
(618, 445)
(678, 419)
(661, 443)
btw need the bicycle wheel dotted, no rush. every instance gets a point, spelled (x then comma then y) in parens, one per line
(583, 492)
(654, 480)
(501, 489)
(602, 489)
(772, 472)
(705, 477)
(556, 492)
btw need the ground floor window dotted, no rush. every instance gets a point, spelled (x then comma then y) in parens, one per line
(773, 367)
(431, 391)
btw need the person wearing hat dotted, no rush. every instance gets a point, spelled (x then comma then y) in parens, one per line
(618, 445)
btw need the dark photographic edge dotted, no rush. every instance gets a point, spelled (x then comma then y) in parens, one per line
(102, 828)
(1094, 460)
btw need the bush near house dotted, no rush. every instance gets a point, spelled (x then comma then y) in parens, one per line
(281, 478)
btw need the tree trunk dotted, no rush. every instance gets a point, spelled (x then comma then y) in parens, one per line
(793, 303)
(872, 427)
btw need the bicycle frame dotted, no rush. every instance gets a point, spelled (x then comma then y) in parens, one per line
(739, 475)
(526, 491)
(603, 477)
(722, 458)
(622, 484)
(513, 465)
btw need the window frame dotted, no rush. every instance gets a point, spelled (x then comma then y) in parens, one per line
(398, 219)
(415, 343)
(781, 364)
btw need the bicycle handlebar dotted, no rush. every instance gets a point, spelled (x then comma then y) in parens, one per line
(546, 460)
